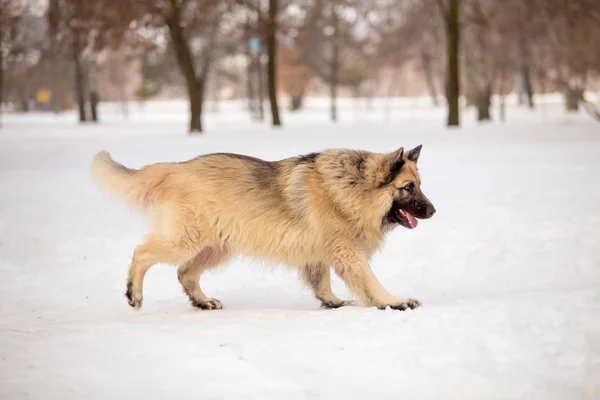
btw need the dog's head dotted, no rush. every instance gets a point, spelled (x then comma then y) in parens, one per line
(400, 180)
(378, 191)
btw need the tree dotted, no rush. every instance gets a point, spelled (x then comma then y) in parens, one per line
(272, 61)
(266, 26)
(335, 59)
(192, 27)
(10, 11)
(87, 27)
(450, 11)
(480, 64)
(524, 66)
(195, 74)
(571, 29)
(333, 49)
(418, 27)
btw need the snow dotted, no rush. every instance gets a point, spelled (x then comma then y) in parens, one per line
(508, 270)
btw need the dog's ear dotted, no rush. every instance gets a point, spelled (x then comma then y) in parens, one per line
(395, 163)
(396, 155)
(413, 155)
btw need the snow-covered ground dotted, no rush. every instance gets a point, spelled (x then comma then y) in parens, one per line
(508, 270)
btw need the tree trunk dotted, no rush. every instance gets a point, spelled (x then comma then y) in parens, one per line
(335, 64)
(296, 103)
(572, 97)
(195, 96)
(429, 80)
(79, 78)
(261, 87)
(483, 103)
(524, 70)
(250, 84)
(501, 90)
(272, 66)
(519, 88)
(526, 74)
(25, 105)
(94, 98)
(250, 71)
(1, 66)
(453, 74)
(186, 65)
(1, 60)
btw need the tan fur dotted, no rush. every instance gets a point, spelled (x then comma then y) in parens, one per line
(307, 214)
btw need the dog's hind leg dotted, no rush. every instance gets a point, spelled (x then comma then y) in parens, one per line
(157, 249)
(189, 276)
(318, 276)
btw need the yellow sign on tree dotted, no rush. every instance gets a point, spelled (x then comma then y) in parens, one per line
(43, 96)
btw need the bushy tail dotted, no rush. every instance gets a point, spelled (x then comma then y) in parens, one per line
(122, 181)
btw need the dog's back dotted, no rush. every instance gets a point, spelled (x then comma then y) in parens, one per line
(254, 207)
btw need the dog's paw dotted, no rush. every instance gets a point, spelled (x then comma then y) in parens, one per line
(207, 304)
(328, 304)
(133, 300)
(135, 303)
(402, 305)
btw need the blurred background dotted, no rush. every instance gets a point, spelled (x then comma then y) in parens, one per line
(504, 95)
(271, 56)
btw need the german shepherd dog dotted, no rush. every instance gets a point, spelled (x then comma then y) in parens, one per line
(310, 212)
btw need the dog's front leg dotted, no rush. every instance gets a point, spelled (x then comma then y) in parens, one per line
(354, 269)
(318, 277)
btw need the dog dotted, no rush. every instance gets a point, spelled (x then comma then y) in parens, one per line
(311, 212)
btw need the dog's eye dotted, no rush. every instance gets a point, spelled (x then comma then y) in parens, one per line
(408, 187)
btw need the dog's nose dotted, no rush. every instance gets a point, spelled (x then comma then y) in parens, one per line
(430, 211)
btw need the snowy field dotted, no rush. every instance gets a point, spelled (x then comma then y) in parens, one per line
(508, 270)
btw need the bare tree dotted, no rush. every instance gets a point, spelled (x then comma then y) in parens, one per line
(419, 28)
(86, 27)
(572, 29)
(195, 75)
(79, 77)
(335, 60)
(480, 67)
(272, 60)
(524, 66)
(192, 28)
(10, 11)
(450, 11)
(266, 26)
(331, 48)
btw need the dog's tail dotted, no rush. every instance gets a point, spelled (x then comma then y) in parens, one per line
(136, 188)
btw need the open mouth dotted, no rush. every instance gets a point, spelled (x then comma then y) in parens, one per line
(405, 219)
(398, 213)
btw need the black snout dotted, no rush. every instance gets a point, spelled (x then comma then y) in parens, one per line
(429, 211)
(424, 210)
(421, 207)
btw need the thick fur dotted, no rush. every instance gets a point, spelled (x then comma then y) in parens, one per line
(309, 212)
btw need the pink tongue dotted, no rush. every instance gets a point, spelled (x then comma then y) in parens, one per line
(412, 221)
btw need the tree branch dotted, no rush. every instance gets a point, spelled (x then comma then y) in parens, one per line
(251, 5)
(443, 9)
(210, 47)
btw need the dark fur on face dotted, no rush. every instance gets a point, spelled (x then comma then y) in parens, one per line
(408, 198)
(394, 171)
